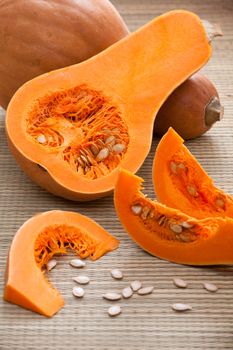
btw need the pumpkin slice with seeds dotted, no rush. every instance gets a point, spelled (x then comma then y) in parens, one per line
(33, 246)
(81, 123)
(168, 233)
(180, 182)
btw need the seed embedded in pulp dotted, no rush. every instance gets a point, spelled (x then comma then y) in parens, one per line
(41, 139)
(176, 228)
(118, 148)
(103, 154)
(186, 224)
(192, 191)
(145, 212)
(136, 209)
(173, 167)
(220, 203)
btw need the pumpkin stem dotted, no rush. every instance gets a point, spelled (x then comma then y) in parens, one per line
(214, 111)
(212, 30)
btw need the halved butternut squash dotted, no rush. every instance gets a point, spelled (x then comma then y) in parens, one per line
(81, 123)
(180, 181)
(37, 240)
(168, 233)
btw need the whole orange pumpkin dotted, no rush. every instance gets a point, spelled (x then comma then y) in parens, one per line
(39, 36)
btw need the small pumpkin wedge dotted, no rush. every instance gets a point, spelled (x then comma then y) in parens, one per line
(81, 123)
(37, 240)
(168, 233)
(180, 181)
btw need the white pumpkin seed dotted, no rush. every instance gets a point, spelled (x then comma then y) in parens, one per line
(117, 274)
(210, 287)
(136, 209)
(176, 228)
(186, 224)
(145, 212)
(181, 307)
(179, 282)
(127, 292)
(103, 154)
(173, 167)
(114, 310)
(136, 285)
(118, 148)
(192, 191)
(112, 296)
(51, 264)
(145, 290)
(77, 263)
(41, 139)
(110, 139)
(78, 292)
(81, 279)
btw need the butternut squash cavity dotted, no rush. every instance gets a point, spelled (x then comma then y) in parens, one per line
(169, 233)
(33, 246)
(83, 127)
(181, 182)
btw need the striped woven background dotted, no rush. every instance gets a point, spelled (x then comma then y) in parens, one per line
(146, 322)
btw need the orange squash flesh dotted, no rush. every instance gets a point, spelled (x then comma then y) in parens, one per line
(36, 242)
(198, 242)
(107, 104)
(180, 181)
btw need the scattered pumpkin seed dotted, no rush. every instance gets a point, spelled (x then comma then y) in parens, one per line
(179, 282)
(145, 290)
(103, 154)
(136, 209)
(51, 264)
(181, 307)
(118, 148)
(176, 228)
(162, 220)
(77, 263)
(136, 285)
(81, 279)
(94, 149)
(127, 292)
(187, 238)
(210, 287)
(114, 310)
(41, 139)
(112, 296)
(117, 274)
(78, 292)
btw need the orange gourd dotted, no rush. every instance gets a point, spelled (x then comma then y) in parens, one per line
(39, 36)
(37, 240)
(168, 233)
(180, 181)
(83, 122)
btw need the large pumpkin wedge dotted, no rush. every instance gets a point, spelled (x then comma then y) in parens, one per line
(180, 181)
(36, 242)
(39, 36)
(168, 233)
(82, 122)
